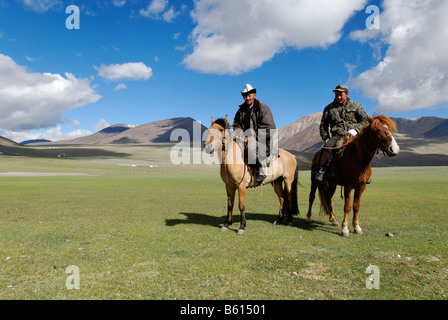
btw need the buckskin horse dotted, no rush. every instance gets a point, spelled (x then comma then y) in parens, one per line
(237, 175)
(352, 169)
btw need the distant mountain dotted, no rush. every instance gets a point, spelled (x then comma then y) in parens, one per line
(423, 127)
(153, 132)
(101, 136)
(23, 143)
(6, 142)
(439, 131)
(302, 135)
(160, 132)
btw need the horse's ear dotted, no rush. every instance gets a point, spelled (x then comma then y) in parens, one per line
(227, 119)
(213, 120)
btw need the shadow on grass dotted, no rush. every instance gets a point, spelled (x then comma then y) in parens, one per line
(218, 222)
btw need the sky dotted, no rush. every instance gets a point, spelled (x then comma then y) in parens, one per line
(72, 68)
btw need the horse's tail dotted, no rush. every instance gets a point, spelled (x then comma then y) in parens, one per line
(325, 204)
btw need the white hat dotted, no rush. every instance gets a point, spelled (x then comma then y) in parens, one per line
(248, 89)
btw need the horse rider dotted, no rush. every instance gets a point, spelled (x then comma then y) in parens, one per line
(254, 120)
(343, 117)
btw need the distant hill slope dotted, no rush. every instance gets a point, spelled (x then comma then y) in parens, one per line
(301, 135)
(423, 127)
(153, 132)
(159, 132)
(6, 142)
(101, 136)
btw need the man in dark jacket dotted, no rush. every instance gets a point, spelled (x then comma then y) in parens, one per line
(254, 120)
(340, 118)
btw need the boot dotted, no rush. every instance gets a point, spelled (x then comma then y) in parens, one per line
(320, 177)
(261, 176)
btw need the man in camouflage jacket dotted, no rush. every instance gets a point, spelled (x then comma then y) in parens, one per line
(340, 118)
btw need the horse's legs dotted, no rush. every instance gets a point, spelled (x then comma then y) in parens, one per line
(279, 192)
(347, 208)
(242, 206)
(333, 219)
(356, 205)
(289, 191)
(311, 199)
(330, 192)
(230, 202)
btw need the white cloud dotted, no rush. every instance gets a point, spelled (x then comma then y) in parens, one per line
(102, 124)
(414, 72)
(54, 134)
(158, 9)
(120, 86)
(42, 6)
(236, 36)
(154, 8)
(119, 3)
(126, 71)
(35, 100)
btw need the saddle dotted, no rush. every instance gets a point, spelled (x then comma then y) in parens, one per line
(336, 154)
(264, 164)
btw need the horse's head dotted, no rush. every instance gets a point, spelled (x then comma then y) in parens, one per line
(382, 129)
(216, 135)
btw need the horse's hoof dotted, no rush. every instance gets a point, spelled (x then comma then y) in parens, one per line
(224, 228)
(358, 230)
(345, 233)
(241, 231)
(290, 224)
(275, 223)
(336, 224)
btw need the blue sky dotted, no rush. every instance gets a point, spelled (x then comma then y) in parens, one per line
(138, 61)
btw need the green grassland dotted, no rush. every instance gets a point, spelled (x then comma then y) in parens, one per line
(140, 228)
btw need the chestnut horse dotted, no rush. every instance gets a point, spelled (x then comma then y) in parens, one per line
(352, 169)
(237, 175)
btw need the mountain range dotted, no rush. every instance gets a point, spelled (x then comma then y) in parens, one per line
(163, 131)
(423, 141)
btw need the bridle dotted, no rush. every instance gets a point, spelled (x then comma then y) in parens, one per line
(377, 143)
(224, 147)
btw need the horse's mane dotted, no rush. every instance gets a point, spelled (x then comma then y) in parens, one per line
(387, 121)
(223, 123)
(357, 140)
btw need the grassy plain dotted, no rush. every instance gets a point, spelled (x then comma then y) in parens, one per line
(139, 228)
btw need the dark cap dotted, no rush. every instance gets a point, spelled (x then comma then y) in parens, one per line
(341, 88)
